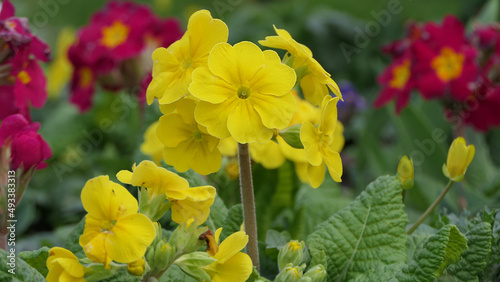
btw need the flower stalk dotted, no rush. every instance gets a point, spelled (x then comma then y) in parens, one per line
(247, 199)
(429, 209)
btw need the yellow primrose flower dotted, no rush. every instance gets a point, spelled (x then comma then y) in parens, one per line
(405, 172)
(320, 145)
(231, 265)
(314, 80)
(233, 170)
(63, 265)
(152, 146)
(173, 66)
(268, 154)
(244, 93)
(60, 69)
(188, 203)
(187, 144)
(459, 158)
(113, 228)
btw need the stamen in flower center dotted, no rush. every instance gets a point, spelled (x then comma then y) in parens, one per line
(186, 63)
(448, 65)
(24, 77)
(400, 75)
(114, 34)
(244, 92)
(198, 136)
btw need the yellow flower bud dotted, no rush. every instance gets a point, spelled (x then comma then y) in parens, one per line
(405, 172)
(291, 253)
(137, 267)
(459, 158)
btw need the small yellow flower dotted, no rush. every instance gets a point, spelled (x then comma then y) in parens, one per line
(60, 69)
(186, 143)
(231, 265)
(113, 228)
(459, 158)
(63, 265)
(321, 146)
(314, 80)
(152, 146)
(173, 66)
(137, 267)
(405, 172)
(188, 203)
(233, 170)
(244, 93)
(268, 154)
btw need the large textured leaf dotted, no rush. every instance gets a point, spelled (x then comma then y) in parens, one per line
(438, 251)
(233, 221)
(367, 233)
(37, 259)
(72, 242)
(22, 270)
(218, 213)
(473, 260)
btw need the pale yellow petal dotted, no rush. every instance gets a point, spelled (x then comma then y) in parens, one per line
(310, 140)
(216, 124)
(231, 246)
(210, 88)
(315, 174)
(245, 124)
(275, 112)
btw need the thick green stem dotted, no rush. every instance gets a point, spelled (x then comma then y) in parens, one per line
(430, 209)
(247, 199)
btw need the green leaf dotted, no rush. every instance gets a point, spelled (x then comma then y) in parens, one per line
(22, 270)
(367, 233)
(175, 274)
(37, 259)
(474, 259)
(218, 213)
(73, 241)
(438, 251)
(233, 221)
(276, 240)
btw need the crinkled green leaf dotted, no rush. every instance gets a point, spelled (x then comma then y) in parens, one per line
(37, 259)
(473, 260)
(175, 274)
(233, 221)
(22, 270)
(72, 242)
(218, 214)
(438, 251)
(367, 233)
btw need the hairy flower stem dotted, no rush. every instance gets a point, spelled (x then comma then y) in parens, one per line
(430, 209)
(247, 199)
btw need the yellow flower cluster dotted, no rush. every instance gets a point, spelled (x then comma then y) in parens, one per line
(214, 95)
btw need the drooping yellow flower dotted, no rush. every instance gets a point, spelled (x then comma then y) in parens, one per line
(320, 145)
(231, 265)
(459, 158)
(186, 143)
(63, 265)
(173, 66)
(314, 80)
(113, 228)
(244, 93)
(152, 146)
(188, 203)
(405, 172)
(60, 69)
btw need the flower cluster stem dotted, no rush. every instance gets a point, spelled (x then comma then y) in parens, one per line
(248, 201)
(429, 209)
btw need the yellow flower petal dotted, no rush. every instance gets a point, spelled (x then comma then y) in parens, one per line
(206, 159)
(216, 124)
(266, 106)
(107, 200)
(313, 90)
(246, 126)
(236, 64)
(208, 87)
(231, 246)
(152, 145)
(228, 147)
(329, 116)
(315, 174)
(129, 238)
(268, 154)
(172, 130)
(180, 156)
(237, 269)
(205, 33)
(183, 210)
(334, 164)
(301, 170)
(274, 78)
(310, 140)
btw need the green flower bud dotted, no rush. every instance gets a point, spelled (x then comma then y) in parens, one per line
(186, 238)
(291, 135)
(290, 273)
(164, 255)
(316, 273)
(192, 264)
(405, 172)
(153, 208)
(291, 253)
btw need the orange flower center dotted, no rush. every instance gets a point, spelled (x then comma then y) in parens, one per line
(114, 34)
(86, 76)
(24, 77)
(448, 65)
(400, 75)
